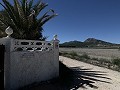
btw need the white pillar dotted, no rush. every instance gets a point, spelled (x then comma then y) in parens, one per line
(7, 63)
(7, 42)
(56, 53)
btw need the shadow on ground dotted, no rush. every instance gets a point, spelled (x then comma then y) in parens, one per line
(71, 78)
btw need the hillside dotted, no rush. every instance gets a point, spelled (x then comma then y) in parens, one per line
(90, 42)
(72, 44)
(96, 41)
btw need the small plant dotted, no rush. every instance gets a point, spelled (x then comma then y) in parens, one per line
(102, 60)
(116, 61)
(118, 48)
(73, 53)
(94, 58)
(63, 53)
(85, 56)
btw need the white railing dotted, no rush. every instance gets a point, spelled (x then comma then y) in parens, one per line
(28, 45)
(31, 45)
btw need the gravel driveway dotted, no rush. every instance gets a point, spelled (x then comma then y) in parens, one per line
(113, 75)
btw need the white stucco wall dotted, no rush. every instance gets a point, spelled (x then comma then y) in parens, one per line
(25, 67)
(29, 67)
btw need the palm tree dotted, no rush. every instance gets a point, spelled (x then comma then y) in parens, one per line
(22, 17)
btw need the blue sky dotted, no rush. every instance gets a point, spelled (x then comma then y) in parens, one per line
(82, 19)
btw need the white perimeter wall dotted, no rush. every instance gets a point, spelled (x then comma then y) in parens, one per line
(25, 67)
(29, 67)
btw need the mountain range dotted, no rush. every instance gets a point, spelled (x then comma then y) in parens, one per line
(90, 43)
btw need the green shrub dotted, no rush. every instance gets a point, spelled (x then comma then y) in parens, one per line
(119, 48)
(94, 58)
(63, 53)
(73, 53)
(111, 64)
(116, 61)
(102, 60)
(85, 56)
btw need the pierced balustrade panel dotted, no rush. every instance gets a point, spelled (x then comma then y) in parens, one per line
(31, 45)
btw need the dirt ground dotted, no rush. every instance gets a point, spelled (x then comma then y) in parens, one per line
(114, 76)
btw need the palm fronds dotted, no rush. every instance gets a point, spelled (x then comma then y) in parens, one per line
(22, 17)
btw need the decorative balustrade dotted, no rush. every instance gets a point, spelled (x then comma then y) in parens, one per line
(31, 45)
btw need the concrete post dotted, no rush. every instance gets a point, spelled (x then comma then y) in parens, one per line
(7, 63)
(56, 52)
(7, 42)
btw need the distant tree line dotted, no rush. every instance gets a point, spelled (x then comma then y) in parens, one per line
(78, 44)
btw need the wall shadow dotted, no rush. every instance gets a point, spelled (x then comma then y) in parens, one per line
(74, 77)
(71, 78)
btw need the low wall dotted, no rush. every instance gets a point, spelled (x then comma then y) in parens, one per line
(29, 61)
(29, 67)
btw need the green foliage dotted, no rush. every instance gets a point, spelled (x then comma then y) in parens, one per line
(63, 53)
(23, 17)
(85, 56)
(73, 54)
(119, 48)
(95, 43)
(113, 64)
(72, 44)
(94, 58)
(116, 61)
